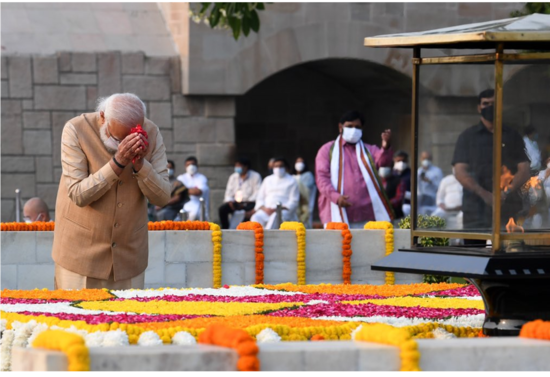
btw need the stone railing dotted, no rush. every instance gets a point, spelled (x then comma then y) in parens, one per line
(184, 258)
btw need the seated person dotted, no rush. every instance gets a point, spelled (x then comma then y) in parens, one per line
(278, 187)
(241, 191)
(177, 197)
(197, 187)
(35, 209)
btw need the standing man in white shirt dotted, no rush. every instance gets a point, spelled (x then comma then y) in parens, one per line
(241, 191)
(278, 187)
(532, 148)
(449, 202)
(197, 187)
(429, 177)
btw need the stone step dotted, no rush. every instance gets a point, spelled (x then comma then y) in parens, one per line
(479, 354)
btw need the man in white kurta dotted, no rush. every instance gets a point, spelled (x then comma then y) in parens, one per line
(280, 187)
(197, 185)
(449, 202)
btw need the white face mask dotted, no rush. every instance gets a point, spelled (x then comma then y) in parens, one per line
(191, 169)
(426, 163)
(279, 172)
(384, 172)
(400, 166)
(110, 143)
(299, 166)
(171, 172)
(352, 135)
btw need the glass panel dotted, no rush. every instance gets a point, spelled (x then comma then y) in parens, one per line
(455, 158)
(525, 180)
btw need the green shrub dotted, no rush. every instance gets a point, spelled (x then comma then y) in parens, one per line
(428, 222)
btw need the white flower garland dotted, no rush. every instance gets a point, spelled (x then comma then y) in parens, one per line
(5, 350)
(149, 338)
(182, 338)
(267, 335)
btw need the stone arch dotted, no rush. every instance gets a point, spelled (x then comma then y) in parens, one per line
(270, 54)
(295, 111)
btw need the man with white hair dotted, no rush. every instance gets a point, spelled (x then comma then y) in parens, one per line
(109, 173)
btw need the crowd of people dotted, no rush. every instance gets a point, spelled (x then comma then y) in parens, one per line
(115, 167)
(353, 182)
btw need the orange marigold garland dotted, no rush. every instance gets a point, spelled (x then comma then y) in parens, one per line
(538, 329)
(258, 247)
(37, 226)
(346, 249)
(389, 239)
(221, 335)
(179, 225)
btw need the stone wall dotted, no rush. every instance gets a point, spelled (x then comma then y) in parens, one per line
(41, 93)
(184, 258)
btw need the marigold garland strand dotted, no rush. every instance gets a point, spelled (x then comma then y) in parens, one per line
(301, 241)
(157, 225)
(258, 247)
(72, 345)
(537, 329)
(389, 240)
(402, 338)
(217, 255)
(221, 335)
(346, 249)
(37, 226)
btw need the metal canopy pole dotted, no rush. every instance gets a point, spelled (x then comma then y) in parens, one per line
(497, 147)
(414, 138)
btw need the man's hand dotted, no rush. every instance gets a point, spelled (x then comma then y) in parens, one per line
(486, 196)
(129, 148)
(343, 201)
(442, 206)
(194, 191)
(141, 152)
(386, 139)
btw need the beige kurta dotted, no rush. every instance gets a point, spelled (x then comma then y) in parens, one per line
(101, 219)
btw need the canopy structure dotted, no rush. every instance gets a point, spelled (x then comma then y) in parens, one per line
(528, 32)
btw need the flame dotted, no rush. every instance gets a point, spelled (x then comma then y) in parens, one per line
(511, 227)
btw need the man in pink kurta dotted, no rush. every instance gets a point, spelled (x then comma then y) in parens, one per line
(356, 198)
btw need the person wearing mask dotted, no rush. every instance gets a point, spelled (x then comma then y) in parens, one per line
(346, 171)
(241, 192)
(280, 187)
(400, 200)
(306, 184)
(114, 161)
(473, 163)
(177, 196)
(449, 201)
(532, 148)
(197, 187)
(429, 177)
(35, 209)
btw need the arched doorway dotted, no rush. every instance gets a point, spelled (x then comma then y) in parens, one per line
(296, 111)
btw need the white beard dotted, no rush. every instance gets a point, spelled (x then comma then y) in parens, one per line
(104, 138)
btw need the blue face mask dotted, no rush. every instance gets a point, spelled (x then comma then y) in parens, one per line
(238, 170)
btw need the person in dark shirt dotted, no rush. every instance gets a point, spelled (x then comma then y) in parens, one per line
(398, 186)
(473, 163)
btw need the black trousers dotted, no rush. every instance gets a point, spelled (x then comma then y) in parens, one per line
(225, 210)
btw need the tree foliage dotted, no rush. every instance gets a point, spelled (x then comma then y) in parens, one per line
(530, 8)
(239, 17)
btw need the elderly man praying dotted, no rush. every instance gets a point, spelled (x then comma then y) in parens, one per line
(109, 173)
